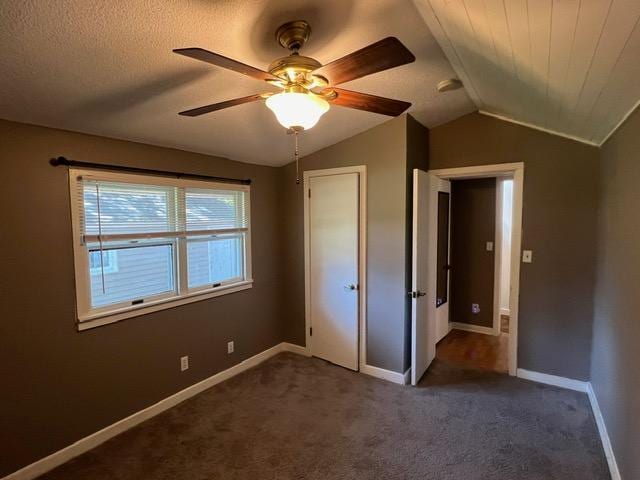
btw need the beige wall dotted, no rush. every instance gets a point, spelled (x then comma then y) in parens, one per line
(60, 385)
(559, 225)
(616, 329)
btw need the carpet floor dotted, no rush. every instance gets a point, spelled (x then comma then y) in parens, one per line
(301, 418)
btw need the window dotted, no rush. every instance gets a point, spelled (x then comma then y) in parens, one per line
(107, 262)
(143, 243)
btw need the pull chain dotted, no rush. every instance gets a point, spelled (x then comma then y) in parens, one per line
(297, 155)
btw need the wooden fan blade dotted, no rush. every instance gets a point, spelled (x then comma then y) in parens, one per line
(379, 56)
(224, 62)
(369, 103)
(194, 112)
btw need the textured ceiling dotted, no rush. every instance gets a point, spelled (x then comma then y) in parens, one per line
(567, 66)
(106, 67)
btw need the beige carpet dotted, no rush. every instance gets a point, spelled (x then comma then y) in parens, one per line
(300, 418)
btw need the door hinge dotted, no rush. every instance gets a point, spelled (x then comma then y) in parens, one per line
(311, 331)
(309, 191)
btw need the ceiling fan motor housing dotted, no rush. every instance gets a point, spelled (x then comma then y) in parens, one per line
(293, 63)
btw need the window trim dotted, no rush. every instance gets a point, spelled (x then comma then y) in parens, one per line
(87, 318)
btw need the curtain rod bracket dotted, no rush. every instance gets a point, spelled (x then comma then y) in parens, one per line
(63, 161)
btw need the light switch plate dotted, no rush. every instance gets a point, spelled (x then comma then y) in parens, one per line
(230, 347)
(527, 256)
(489, 246)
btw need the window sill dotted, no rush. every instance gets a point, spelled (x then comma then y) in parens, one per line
(87, 322)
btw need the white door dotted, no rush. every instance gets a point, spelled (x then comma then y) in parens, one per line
(427, 322)
(333, 268)
(442, 302)
(422, 325)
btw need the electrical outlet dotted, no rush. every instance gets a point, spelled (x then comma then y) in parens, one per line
(230, 347)
(475, 308)
(527, 256)
(489, 246)
(184, 363)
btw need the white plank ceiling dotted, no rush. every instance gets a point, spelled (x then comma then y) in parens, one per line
(571, 67)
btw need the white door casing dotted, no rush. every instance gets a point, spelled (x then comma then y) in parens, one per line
(422, 349)
(333, 251)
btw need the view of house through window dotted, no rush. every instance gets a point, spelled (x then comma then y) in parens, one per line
(142, 240)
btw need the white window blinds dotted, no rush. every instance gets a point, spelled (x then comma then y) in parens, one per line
(126, 211)
(143, 239)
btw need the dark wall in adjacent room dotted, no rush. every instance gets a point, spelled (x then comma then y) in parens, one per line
(60, 385)
(473, 224)
(616, 329)
(559, 225)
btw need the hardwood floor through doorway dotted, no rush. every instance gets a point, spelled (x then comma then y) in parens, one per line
(475, 350)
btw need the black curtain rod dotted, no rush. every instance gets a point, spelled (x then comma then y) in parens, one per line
(149, 171)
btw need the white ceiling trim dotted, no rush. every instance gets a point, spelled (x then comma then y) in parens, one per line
(541, 129)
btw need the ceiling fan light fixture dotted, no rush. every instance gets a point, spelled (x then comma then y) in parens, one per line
(297, 109)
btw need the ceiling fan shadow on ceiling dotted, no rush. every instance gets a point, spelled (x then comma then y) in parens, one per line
(308, 87)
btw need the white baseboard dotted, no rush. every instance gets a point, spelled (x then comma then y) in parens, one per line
(293, 348)
(571, 384)
(87, 443)
(604, 435)
(473, 328)
(587, 388)
(395, 377)
(407, 376)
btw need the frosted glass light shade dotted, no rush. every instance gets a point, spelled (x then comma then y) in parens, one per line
(293, 109)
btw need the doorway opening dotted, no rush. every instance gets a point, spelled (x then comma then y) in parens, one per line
(478, 245)
(465, 283)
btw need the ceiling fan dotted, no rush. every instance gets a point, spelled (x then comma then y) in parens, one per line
(308, 87)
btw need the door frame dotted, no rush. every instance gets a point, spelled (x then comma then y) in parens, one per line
(497, 258)
(498, 247)
(516, 172)
(361, 170)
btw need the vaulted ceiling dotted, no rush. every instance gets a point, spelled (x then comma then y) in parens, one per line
(567, 66)
(107, 68)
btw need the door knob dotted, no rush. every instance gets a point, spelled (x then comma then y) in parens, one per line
(351, 287)
(417, 294)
